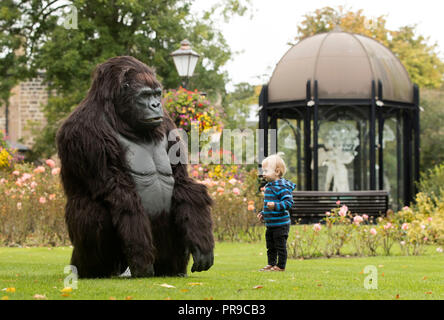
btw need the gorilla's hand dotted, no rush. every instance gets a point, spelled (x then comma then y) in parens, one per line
(202, 261)
(145, 272)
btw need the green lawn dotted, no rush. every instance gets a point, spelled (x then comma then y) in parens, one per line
(234, 275)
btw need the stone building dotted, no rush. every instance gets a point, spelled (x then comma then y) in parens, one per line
(25, 108)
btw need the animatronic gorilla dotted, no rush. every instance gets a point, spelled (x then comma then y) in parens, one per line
(128, 205)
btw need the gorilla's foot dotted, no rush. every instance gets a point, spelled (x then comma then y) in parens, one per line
(146, 272)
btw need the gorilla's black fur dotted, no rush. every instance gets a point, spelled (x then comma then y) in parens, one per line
(108, 226)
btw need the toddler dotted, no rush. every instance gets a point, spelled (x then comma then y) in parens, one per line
(277, 203)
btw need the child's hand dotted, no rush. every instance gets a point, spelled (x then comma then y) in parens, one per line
(270, 205)
(260, 217)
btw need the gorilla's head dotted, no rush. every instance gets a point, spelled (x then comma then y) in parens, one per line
(132, 97)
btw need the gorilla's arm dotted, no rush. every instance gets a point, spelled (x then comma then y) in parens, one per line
(191, 207)
(93, 166)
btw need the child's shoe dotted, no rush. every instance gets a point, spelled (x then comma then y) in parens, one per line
(276, 268)
(266, 268)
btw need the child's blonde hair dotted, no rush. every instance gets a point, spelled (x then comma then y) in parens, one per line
(276, 162)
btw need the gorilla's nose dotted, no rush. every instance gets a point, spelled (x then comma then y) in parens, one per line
(155, 105)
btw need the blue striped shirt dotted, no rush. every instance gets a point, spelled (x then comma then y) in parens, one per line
(279, 192)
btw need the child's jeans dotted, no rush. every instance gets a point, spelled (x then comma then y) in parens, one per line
(276, 238)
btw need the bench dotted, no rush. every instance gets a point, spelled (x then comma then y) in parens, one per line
(310, 206)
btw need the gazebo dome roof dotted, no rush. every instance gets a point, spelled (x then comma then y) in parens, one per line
(344, 64)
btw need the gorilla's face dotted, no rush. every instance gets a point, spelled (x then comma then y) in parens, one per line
(148, 110)
(140, 106)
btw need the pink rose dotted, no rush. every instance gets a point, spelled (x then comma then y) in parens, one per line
(405, 226)
(338, 202)
(388, 226)
(26, 176)
(42, 200)
(16, 173)
(343, 211)
(55, 171)
(19, 182)
(365, 216)
(52, 196)
(50, 163)
(358, 219)
(236, 191)
(33, 184)
(317, 227)
(373, 231)
(39, 169)
(328, 213)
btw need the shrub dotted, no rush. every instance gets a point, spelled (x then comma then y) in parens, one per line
(32, 206)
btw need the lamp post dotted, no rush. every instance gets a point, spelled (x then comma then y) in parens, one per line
(185, 60)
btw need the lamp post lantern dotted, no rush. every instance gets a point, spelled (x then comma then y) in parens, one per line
(185, 60)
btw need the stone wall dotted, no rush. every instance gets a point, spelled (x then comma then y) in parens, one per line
(25, 105)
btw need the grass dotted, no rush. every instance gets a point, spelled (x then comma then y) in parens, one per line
(234, 276)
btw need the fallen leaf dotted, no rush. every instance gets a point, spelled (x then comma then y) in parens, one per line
(295, 288)
(428, 292)
(195, 283)
(209, 298)
(65, 295)
(184, 290)
(40, 297)
(10, 290)
(128, 298)
(167, 298)
(112, 298)
(397, 296)
(165, 285)
(319, 284)
(425, 277)
(382, 274)
(381, 266)
(66, 290)
(258, 287)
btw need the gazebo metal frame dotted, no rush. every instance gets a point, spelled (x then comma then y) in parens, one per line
(377, 112)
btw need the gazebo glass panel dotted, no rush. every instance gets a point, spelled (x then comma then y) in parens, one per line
(290, 141)
(393, 162)
(343, 151)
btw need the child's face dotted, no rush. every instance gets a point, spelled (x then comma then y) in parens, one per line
(269, 173)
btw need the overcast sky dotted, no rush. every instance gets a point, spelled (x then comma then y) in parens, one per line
(262, 40)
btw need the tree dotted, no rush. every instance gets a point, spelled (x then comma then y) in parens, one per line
(146, 29)
(237, 104)
(432, 128)
(420, 59)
